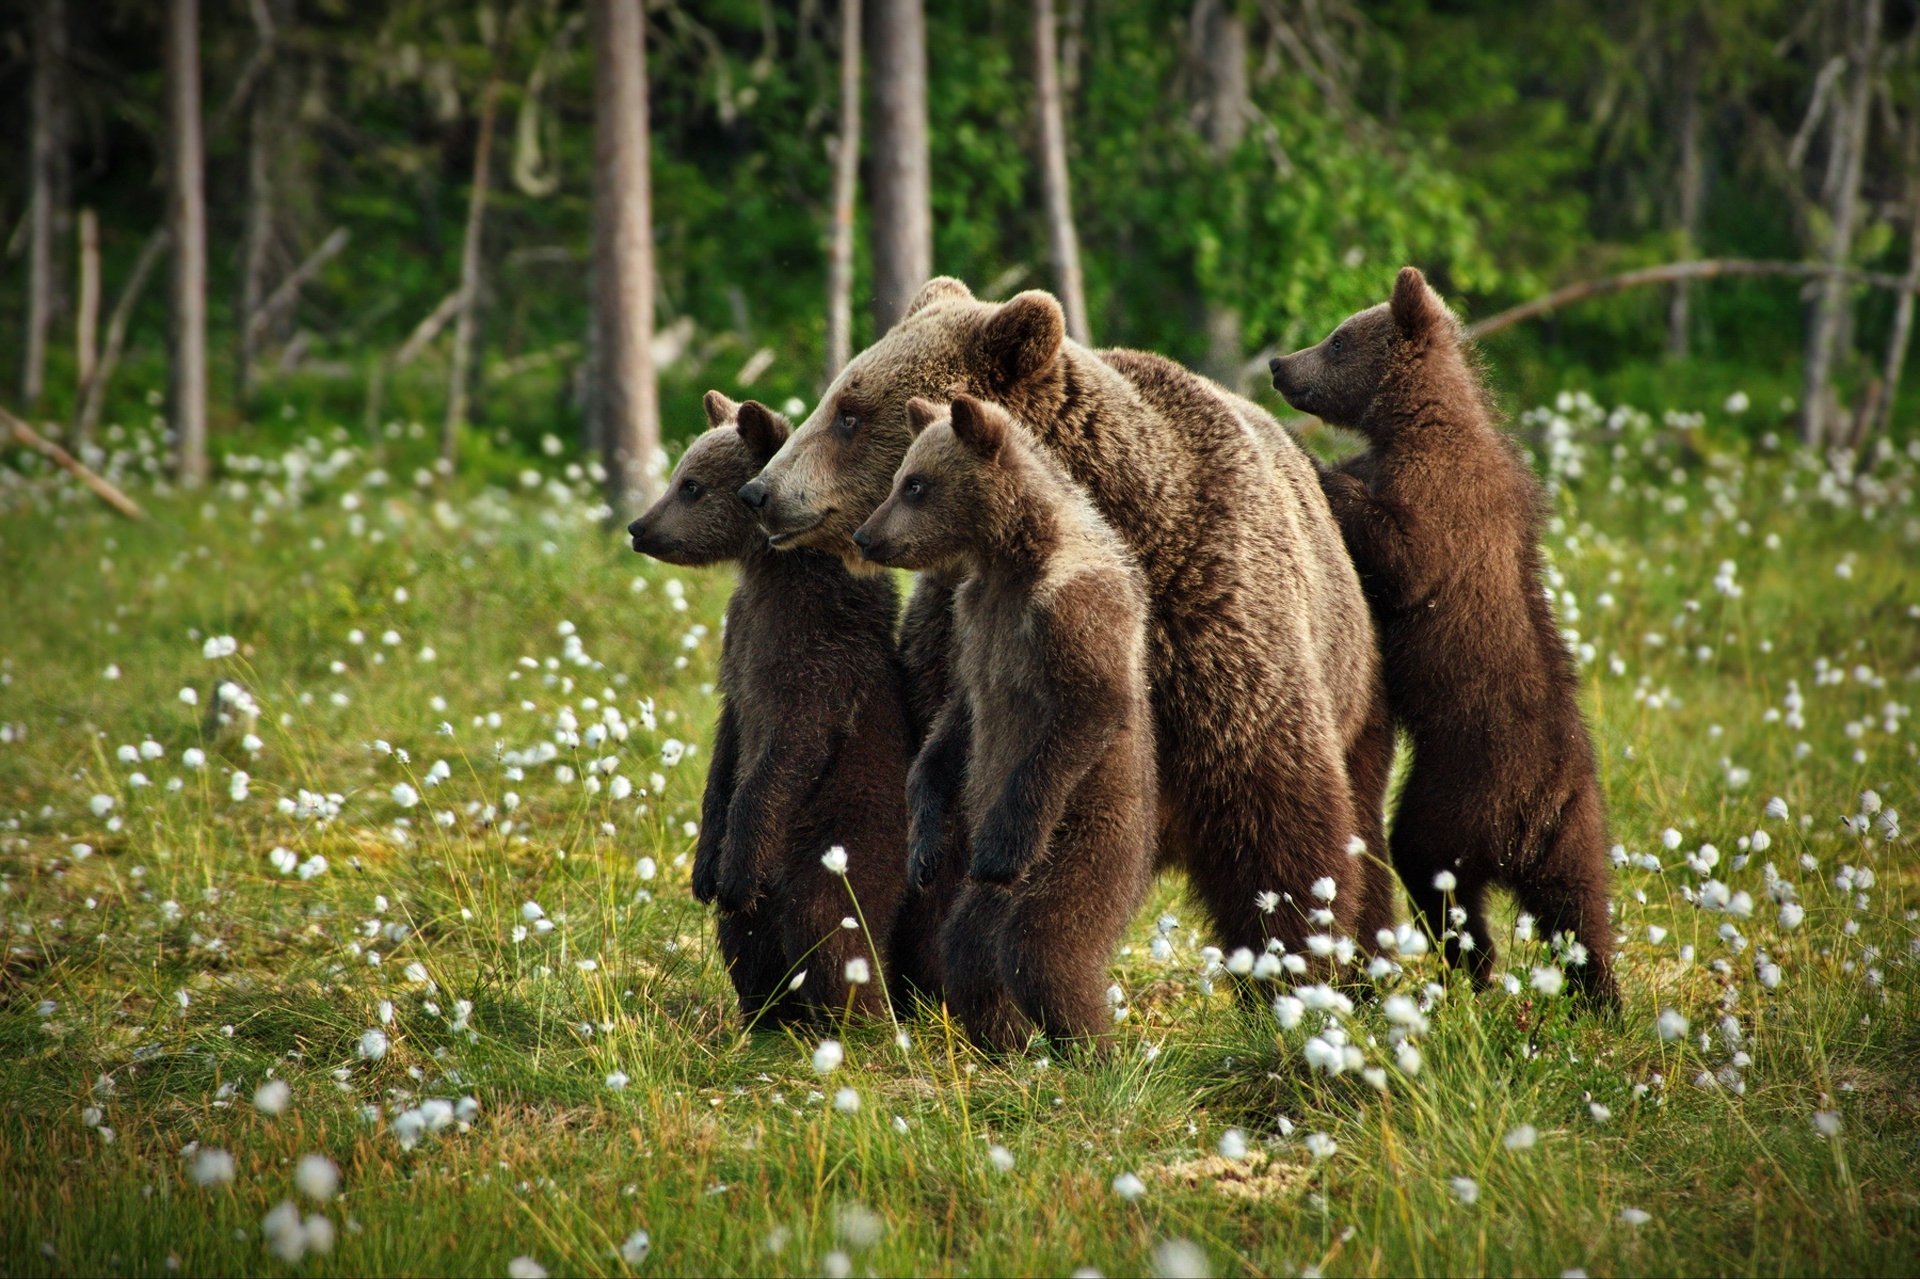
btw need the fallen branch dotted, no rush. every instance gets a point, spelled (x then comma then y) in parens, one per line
(1672, 272)
(427, 330)
(41, 444)
(289, 289)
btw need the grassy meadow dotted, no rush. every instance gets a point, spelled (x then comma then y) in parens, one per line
(384, 959)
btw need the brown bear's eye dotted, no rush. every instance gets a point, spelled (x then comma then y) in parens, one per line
(846, 424)
(690, 489)
(1337, 345)
(915, 488)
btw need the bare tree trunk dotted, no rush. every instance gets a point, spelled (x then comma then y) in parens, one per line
(1691, 180)
(1227, 108)
(93, 393)
(902, 182)
(1841, 194)
(86, 326)
(467, 318)
(187, 215)
(264, 134)
(625, 401)
(1903, 309)
(846, 182)
(1061, 238)
(49, 160)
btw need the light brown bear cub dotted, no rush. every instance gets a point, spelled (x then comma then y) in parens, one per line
(812, 746)
(1048, 737)
(1443, 519)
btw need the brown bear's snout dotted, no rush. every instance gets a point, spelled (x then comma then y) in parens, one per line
(755, 494)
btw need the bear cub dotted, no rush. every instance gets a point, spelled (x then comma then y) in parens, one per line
(812, 746)
(1443, 519)
(1047, 738)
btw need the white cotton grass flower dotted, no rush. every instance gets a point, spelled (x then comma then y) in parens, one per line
(405, 795)
(1465, 1189)
(1777, 809)
(271, 1098)
(1525, 1137)
(1180, 1259)
(1000, 1157)
(847, 1101)
(835, 860)
(1233, 1144)
(1548, 980)
(1827, 1123)
(1129, 1187)
(212, 1167)
(291, 1237)
(618, 1081)
(1321, 1146)
(1672, 1025)
(858, 971)
(1324, 888)
(373, 1044)
(524, 1267)
(637, 1246)
(1445, 882)
(219, 646)
(827, 1056)
(317, 1177)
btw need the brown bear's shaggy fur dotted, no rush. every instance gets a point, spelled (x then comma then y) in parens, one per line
(812, 745)
(1051, 713)
(1260, 649)
(1443, 518)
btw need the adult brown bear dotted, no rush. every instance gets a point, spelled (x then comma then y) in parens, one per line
(1267, 695)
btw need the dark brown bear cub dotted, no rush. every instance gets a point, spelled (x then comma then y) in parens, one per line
(1443, 520)
(812, 746)
(1050, 714)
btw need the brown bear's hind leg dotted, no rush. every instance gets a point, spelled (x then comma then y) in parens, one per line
(1565, 890)
(972, 948)
(751, 945)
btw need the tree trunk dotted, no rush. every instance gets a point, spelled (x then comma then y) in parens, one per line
(49, 191)
(1691, 182)
(846, 182)
(187, 216)
(902, 228)
(467, 318)
(268, 121)
(1226, 107)
(86, 327)
(93, 393)
(1062, 240)
(1841, 193)
(1903, 309)
(625, 398)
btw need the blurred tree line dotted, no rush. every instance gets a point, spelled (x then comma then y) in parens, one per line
(1217, 179)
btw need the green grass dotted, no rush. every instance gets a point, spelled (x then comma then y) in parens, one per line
(180, 968)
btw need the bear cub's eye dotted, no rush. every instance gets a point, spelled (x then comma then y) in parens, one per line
(690, 489)
(846, 424)
(915, 488)
(1338, 344)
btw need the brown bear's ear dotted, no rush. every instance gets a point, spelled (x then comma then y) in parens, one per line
(980, 426)
(720, 409)
(1416, 308)
(939, 287)
(761, 429)
(1022, 337)
(922, 413)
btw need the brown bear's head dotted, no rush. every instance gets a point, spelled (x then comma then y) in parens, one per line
(948, 488)
(839, 463)
(700, 519)
(1336, 381)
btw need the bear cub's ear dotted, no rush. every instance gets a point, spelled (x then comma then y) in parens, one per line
(939, 287)
(1416, 308)
(720, 410)
(1022, 338)
(761, 429)
(922, 413)
(980, 426)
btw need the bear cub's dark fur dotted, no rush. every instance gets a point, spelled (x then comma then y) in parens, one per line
(1046, 741)
(813, 741)
(1443, 519)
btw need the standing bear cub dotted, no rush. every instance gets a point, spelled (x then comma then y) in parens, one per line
(1443, 520)
(812, 746)
(1047, 738)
